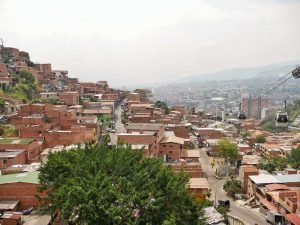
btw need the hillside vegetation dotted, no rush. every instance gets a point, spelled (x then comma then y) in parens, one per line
(293, 111)
(24, 87)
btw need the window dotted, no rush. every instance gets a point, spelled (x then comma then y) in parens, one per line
(171, 146)
(164, 146)
(170, 152)
(4, 161)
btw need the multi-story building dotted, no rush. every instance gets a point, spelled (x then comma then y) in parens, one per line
(253, 106)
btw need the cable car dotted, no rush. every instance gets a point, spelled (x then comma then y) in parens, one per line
(242, 116)
(281, 119)
(296, 72)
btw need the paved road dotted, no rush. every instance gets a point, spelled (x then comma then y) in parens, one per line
(244, 213)
(119, 127)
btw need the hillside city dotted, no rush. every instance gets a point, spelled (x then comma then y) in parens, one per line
(218, 152)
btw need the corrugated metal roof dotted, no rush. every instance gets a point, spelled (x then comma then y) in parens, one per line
(29, 177)
(291, 178)
(264, 179)
(270, 179)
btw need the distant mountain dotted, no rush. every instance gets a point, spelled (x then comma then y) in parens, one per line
(276, 69)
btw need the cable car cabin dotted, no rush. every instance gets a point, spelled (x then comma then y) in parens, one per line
(242, 116)
(281, 119)
(296, 72)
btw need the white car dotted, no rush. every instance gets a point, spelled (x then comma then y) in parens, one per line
(110, 130)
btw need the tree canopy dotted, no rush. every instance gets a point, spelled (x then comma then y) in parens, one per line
(162, 105)
(2, 102)
(228, 150)
(272, 164)
(233, 187)
(97, 185)
(260, 139)
(294, 158)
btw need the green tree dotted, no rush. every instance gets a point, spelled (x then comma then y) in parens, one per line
(272, 164)
(228, 150)
(2, 102)
(260, 139)
(294, 158)
(163, 106)
(232, 187)
(245, 134)
(98, 185)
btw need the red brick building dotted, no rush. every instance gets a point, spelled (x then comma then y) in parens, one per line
(171, 148)
(31, 146)
(21, 187)
(11, 53)
(136, 97)
(69, 98)
(12, 157)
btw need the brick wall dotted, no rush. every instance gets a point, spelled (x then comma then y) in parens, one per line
(19, 159)
(23, 192)
(134, 97)
(32, 149)
(210, 133)
(136, 139)
(69, 98)
(171, 150)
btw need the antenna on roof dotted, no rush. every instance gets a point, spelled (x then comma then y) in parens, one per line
(1, 42)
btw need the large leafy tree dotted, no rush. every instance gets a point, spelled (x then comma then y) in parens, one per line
(294, 158)
(233, 187)
(272, 164)
(96, 185)
(162, 105)
(228, 150)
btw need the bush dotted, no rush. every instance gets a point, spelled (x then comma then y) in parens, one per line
(273, 164)
(294, 158)
(233, 187)
(260, 139)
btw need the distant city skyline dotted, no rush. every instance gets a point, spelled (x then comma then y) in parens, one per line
(135, 41)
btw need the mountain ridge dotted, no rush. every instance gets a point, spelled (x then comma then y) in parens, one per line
(275, 69)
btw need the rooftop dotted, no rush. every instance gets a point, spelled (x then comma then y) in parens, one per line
(173, 139)
(293, 218)
(16, 140)
(29, 177)
(198, 183)
(190, 153)
(10, 153)
(144, 126)
(273, 187)
(271, 179)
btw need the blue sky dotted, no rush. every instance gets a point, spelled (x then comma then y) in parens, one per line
(138, 41)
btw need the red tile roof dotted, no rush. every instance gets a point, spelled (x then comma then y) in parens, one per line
(273, 187)
(294, 218)
(268, 204)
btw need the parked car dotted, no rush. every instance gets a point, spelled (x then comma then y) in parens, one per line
(224, 203)
(110, 130)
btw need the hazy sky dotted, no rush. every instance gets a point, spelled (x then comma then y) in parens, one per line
(139, 41)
